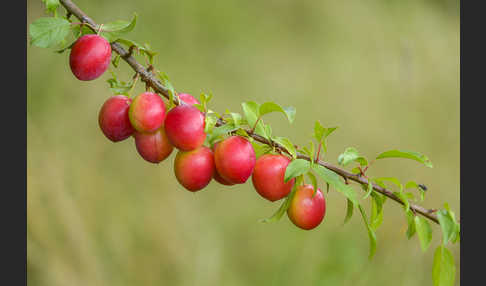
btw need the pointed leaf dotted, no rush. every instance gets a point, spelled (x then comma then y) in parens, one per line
(408, 155)
(369, 190)
(335, 181)
(269, 107)
(287, 145)
(444, 269)
(48, 32)
(447, 225)
(296, 168)
(313, 180)
(51, 5)
(371, 233)
(424, 232)
(114, 30)
(251, 112)
(349, 210)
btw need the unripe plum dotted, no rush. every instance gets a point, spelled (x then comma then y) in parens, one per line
(217, 176)
(306, 211)
(194, 169)
(184, 126)
(268, 177)
(153, 147)
(235, 159)
(147, 112)
(90, 57)
(113, 118)
(188, 99)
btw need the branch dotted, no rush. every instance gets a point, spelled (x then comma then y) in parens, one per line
(150, 80)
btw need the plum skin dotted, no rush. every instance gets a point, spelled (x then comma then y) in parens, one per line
(194, 169)
(89, 57)
(217, 176)
(268, 177)
(188, 99)
(305, 211)
(147, 112)
(153, 147)
(184, 126)
(234, 158)
(113, 118)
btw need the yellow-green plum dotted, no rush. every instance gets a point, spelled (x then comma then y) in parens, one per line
(194, 169)
(307, 211)
(147, 112)
(268, 177)
(234, 158)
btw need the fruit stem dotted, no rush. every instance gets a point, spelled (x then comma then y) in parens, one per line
(135, 79)
(99, 30)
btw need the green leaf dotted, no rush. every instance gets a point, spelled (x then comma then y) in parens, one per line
(168, 85)
(143, 49)
(115, 61)
(205, 99)
(335, 181)
(313, 180)
(236, 117)
(268, 131)
(279, 213)
(319, 131)
(296, 168)
(350, 155)
(114, 30)
(216, 132)
(260, 149)
(287, 145)
(411, 224)
(119, 87)
(285, 205)
(447, 224)
(51, 5)
(377, 202)
(424, 232)
(79, 31)
(48, 32)
(371, 233)
(369, 190)
(414, 185)
(406, 154)
(393, 180)
(269, 107)
(404, 199)
(66, 47)
(251, 112)
(210, 121)
(349, 210)
(444, 269)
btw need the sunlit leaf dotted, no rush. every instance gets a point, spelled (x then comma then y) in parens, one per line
(444, 268)
(406, 154)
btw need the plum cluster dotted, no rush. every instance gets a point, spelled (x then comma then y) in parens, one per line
(157, 131)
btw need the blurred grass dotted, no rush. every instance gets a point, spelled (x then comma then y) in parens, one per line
(385, 72)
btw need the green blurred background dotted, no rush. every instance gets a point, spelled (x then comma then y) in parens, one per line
(385, 72)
